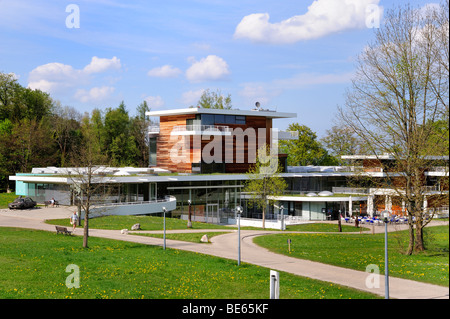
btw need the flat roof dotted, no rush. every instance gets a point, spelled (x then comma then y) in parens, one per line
(196, 110)
(391, 157)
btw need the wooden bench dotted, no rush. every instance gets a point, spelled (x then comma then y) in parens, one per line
(62, 230)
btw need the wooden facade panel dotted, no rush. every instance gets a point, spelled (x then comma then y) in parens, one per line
(239, 150)
(167, 142)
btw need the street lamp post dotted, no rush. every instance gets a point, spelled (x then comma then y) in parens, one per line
(239, 212)
(282, 217)
(164, 211)
(385, 214)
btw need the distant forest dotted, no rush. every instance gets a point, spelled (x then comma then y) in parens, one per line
(37, 131)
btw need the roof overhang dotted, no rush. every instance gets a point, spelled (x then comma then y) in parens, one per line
(195, 110)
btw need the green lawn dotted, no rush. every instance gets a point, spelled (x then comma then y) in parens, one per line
(156, 223)
(191, 237)
(324, 227)
(33, 266)
(357, 251)
(6, 198)
(146, 222)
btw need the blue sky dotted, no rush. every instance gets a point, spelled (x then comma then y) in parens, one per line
(292, 56)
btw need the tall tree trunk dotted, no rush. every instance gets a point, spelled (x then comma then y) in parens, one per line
(86, 229)
(411, 235)
(419, 243)
(264, 218)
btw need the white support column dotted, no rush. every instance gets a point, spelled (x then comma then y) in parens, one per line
(350, 206)
(388, 203)
(370, 205)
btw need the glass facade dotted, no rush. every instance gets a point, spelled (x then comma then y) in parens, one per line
(211, 201)
(153, 151)
(217, 119)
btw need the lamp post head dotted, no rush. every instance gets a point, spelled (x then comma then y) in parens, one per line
(189, 202)
(239, 209)
(164, 209)
(385, 214)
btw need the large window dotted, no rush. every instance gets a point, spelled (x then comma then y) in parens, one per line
(219, 119)
(240, 119)
(153, 150)
(230, 119)
(208, 119)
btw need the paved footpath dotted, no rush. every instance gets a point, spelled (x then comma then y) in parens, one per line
(226, 246)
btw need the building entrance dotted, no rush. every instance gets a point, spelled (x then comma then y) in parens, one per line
(212, 214)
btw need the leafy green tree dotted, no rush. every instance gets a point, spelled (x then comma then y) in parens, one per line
(122, 147)
(139, 130)
(9, 94)
(31, 146)
(341, 140)
(35, 105)
(141, 110)
(6, 164)
(66, 127)
(306, 150)
(214, 100)
(439, 136)
(92, 135)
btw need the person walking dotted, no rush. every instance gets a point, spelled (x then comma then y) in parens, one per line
(74, 220)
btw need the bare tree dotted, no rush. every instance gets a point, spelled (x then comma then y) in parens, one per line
(87, 177)
(400, 91)
(264, 181)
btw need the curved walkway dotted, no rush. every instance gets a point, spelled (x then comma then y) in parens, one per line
(226, 246)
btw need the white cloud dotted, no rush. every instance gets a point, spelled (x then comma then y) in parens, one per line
(96, 94)
(191, 97)
(254, 92)
(54, 76)
(99, 65)
(154, 101)
(57, 78)
(165, 71)
(324, 17)
(210, 68)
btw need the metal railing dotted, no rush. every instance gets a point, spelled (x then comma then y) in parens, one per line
(350, 190)
(166, 199)
(153, 129)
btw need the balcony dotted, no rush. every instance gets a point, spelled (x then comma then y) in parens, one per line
(201, 130)
(153, 130)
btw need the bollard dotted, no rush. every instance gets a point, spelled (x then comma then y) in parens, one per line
(274, 284)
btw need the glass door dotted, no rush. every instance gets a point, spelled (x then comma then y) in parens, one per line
(212, 214)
